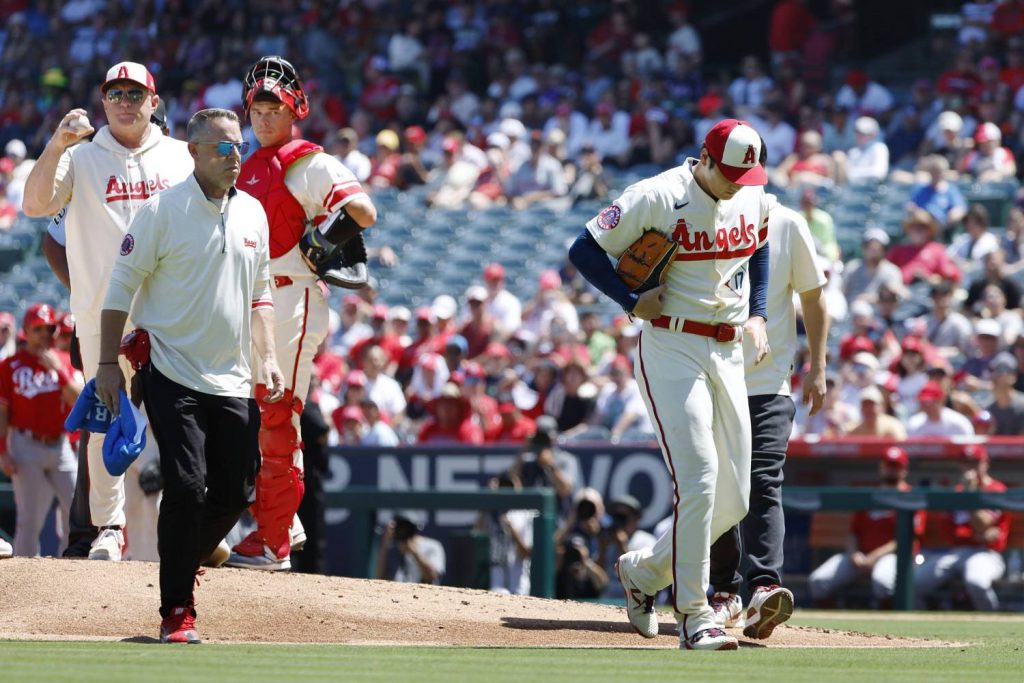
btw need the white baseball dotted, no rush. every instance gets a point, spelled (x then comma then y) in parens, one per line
(79, 123)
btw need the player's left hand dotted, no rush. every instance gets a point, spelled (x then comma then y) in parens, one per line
(273, 379)
(814, 389)
(757, 330)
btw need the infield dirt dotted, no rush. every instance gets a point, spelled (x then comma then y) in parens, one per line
(78, 599)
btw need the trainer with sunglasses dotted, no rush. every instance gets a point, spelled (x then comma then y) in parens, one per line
(103, 183)
(194, 270)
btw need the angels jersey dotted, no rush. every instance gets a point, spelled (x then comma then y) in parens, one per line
(708, 280)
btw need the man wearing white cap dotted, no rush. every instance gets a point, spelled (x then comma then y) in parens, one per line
(16, 151)
(868, 160)
(866, 275)
(103, 183)
(690, 358)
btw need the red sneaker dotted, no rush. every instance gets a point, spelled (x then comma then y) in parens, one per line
(179, 626)
(251, 545)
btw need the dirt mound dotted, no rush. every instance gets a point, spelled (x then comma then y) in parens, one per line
(64, 599)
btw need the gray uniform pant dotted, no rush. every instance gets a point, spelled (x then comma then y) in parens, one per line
(44, 471)
(838, 571)
(976, 567)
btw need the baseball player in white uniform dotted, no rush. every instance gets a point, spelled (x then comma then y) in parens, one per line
(103, 183)
(794, 270)
(690, 366)
(299, 186)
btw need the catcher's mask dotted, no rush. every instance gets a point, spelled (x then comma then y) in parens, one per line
(275, 76)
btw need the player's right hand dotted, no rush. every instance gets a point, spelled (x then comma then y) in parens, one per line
(649, 306)
(109, 384)
(65, 136)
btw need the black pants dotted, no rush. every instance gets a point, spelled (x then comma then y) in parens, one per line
(312, 509)
(209, 455)
(761, 532)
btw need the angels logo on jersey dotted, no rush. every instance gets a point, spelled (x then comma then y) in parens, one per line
(29, 383)
(725, 243)
(609, 218)
(119, 190)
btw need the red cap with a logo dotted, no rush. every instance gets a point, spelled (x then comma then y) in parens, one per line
(894, 455)
(736, 148)
(129, 71)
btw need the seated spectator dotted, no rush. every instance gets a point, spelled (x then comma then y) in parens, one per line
(994, 307)
(407, 556)
(1007, 20)
(923, 258)
(623, 535)
(490, 184)
(350, 424)
(945, 139)
(837, 133)
(540, 178)
(874, 421)
(541, 463)
(994, 273)
(912, 372)
(989, 161)
(511, 541)
(413, 169)
(421, 343)
(750, 88)
(503, 306)
(455, 350)
(947, 330)
(871, 544)
(599, 342)
(571, 122)
(868, 335)
(935, 419)
(863, 96)
(938, 196)
(549, 304)
(791, 24)
(377, 432)
(684, 41)
(479, 327)
(976, 18)
(834, 416)
(779, 137)
(822, 227)
(863, 277)
(453, 180)
(988, 335)
(904, 137)
(1012, 243)
(1007, 407)
(386, 160)
(590, 181)
(962, 80)
(809, 165)
(971, 246)
(512, 427)
(572, 399)
(620, 406)
(450, 419)
(578, 572)
(429, 376)
(382, 388)
(978, 539)
(608, 133)
(380, 336)
(868, 160)
(346, 150)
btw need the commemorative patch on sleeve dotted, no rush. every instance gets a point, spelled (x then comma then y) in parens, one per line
(127, 244)
(609, 218)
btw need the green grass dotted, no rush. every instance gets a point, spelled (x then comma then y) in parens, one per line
(994, 652)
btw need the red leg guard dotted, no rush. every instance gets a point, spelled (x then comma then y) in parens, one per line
(280, 484)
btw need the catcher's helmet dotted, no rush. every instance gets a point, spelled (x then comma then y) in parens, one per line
(39, 314)
(276, 76)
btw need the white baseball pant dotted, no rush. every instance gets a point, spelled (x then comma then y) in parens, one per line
(839, 571)
(44, 471)
(977, 567)
(107, 499)
(696, 393)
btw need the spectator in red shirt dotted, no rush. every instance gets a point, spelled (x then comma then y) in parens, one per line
(923, 258)
(485, 408)
(380, 337)
(871, 545)
(349, 422)
(380, 90)
(978, 539)
(1012, 75)
(37, 384)
(962, 79)
(1008, 19)
(479, 327)
(513, 427)
(451, 419)
(791, 24)
(420, 344)
(386, 160)
(329, 368)
(428, 378)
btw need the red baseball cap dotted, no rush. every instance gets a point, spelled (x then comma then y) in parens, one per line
(494, 271)
(549, 279)
(351, 300)
(415, 134)
(356, 378)
(380, 312)
(736, 148)
(895, 455)
(351, 413)
(931, 391)
(129, 71)
(913, 344)
(423, 313)
(497, 350)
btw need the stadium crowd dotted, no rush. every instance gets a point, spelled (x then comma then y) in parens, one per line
(501, 103)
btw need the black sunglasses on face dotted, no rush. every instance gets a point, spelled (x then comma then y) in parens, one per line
(134, 95)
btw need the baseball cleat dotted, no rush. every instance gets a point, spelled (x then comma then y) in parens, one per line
(179, 626)
(709, 638)
(5, 549)
(220, 555)
(769, 606)
(109, 545)
(297, 535)
(265, 560)
(728, 609)
(639, 606)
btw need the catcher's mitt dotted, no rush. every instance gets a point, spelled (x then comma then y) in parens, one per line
(644, 265)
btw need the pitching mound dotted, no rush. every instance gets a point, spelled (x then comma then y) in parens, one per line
(64, 599)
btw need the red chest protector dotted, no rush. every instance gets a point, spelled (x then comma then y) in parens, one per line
(262, 176)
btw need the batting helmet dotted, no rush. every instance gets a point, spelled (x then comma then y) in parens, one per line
(39, 314)
(277, 77)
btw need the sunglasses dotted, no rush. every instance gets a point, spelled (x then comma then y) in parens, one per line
(134, 95)
(226, 147)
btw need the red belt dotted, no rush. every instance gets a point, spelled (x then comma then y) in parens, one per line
(45, 440)
(723, 332)
(282, 281)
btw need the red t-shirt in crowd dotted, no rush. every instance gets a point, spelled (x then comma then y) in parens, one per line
(928, 259)
(961, 532)
(477, 337)
(519, 431)
(412, 352)
(875, 528)
(791, 23)
(468, 432)
(32, 394)
(390, 343)
(330, 370)
(1008, 19)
